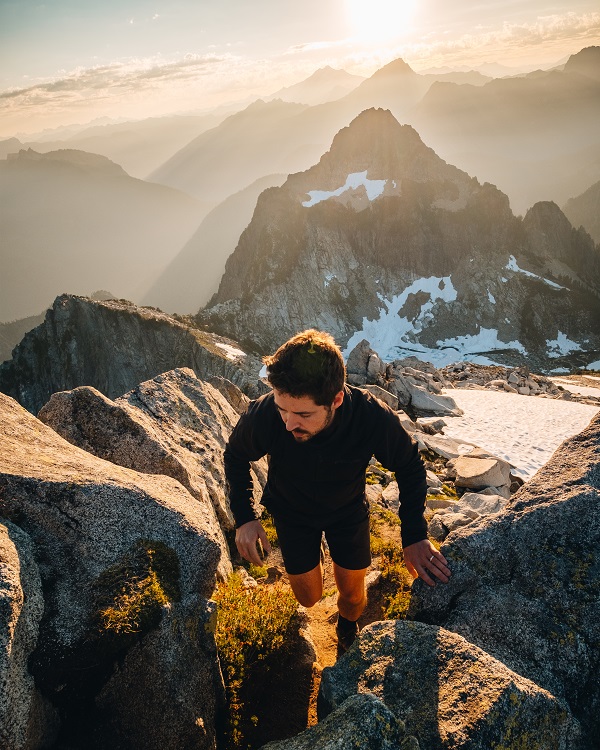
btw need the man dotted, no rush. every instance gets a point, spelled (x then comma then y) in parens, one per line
(320, 435)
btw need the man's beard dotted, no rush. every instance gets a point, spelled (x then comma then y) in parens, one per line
(302, 436)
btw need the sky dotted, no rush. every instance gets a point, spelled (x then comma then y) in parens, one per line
(75, 61)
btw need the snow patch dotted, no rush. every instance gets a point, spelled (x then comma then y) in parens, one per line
(231, 352)
(562, 345)
(491, 297)
(392, 336)
(583, 390)
(524, 430)
(512, 265)
(485, 341)
(374, 189)
(329, 278)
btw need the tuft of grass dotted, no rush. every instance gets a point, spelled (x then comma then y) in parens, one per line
(252, 629)
(329, 592)
(130, 595)
(395, 577)
(137, 603)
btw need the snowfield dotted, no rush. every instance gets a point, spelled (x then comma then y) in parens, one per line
(523, 430)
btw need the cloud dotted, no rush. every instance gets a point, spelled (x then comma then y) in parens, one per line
(547, 39)
(134, 73)
(316, 46)
(516, 38)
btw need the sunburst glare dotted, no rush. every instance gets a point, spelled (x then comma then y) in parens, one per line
(380, 19)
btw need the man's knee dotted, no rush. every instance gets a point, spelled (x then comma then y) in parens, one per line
(353, 596)
(350, 584)
(307, 598)
(307, 587)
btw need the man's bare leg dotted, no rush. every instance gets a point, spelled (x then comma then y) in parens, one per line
(352, 598)
(308, 587)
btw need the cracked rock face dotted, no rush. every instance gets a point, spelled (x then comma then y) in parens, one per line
(174, 425)
(448, 692)
(525, 582)
(157, 682)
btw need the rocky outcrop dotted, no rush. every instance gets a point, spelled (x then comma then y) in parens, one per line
(559, 250)
(127, 561)
(384, 240)
(525, 582)
(449, 693)
(112, 346)
(512, 380)
(477, 470)
(12, 333)
(360, 721)
(472, 506)
(26, 720)
(174, 424)
(416, 386)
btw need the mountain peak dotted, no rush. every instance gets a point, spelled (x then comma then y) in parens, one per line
(586, 62)
(373, 141)
(392, 69)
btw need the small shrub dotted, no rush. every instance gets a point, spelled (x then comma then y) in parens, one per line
(257, 571)
(136, 603)
(252, 625)
(397, 605)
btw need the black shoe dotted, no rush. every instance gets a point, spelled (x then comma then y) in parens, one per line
(346, 634)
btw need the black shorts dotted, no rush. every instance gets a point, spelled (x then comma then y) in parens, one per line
(348, 538)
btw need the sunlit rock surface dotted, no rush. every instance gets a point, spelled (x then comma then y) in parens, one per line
(106, 537)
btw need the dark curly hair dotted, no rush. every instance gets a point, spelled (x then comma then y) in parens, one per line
(309, 364)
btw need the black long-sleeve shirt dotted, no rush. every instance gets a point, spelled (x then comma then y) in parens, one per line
(322, 477)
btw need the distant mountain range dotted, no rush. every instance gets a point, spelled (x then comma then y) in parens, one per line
(138, 146)
(75, 221)
(384, 240)
(324, 85)
(534, 136)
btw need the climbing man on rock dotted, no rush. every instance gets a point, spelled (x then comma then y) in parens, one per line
(320, 435)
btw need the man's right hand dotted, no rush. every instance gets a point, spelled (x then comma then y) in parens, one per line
(247, 536)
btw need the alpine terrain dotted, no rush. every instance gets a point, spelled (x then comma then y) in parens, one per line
(383, 240)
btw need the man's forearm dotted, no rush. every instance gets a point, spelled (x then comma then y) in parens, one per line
(412, 486)
(240, 487)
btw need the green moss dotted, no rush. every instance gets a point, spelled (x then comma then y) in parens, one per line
(130, 595)
(397, 605)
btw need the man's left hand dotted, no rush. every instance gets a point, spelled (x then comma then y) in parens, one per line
(423, 560)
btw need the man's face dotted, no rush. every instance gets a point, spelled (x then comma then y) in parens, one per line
(302, 417)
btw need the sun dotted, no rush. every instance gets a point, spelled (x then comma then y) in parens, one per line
(377, 20)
